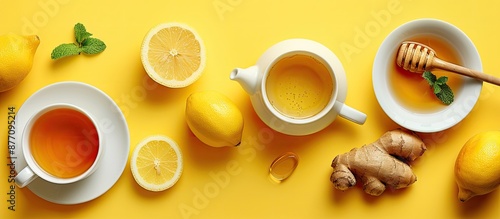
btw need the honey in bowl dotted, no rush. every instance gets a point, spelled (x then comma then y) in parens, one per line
(411, 90)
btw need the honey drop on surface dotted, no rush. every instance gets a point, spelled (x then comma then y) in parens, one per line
(283, 166)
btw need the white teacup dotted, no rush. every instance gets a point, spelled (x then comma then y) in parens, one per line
(298, 87)
(61, 144)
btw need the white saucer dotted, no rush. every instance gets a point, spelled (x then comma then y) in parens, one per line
(116, 141)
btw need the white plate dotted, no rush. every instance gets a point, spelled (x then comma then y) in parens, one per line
(465, 98)
(116, 141)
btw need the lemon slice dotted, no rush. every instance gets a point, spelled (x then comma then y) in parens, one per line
(173, 55)
(156, 163)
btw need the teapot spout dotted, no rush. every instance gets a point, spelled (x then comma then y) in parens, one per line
(248, 78)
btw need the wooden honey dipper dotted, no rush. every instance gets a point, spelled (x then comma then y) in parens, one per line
(416, 57)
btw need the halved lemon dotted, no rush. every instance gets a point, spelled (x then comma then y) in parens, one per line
(173, 55)
(156, 163)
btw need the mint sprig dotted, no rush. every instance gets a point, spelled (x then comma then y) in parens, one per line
(442, 91)
(84, 43)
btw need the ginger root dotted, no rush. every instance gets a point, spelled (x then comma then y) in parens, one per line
(379, 164)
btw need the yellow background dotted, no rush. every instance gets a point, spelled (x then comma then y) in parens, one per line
(236, 33)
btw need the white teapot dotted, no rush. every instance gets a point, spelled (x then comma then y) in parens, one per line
(297, 87)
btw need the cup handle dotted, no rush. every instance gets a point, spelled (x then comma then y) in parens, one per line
(352, 114)
(25, 177)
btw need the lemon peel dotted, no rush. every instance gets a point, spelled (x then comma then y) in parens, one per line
(477, 170)
(16, 58)
(214, 119)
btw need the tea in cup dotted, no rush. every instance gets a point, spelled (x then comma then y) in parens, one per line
(297, 87)
(61, 144)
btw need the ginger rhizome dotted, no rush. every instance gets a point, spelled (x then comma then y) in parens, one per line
(379, 164)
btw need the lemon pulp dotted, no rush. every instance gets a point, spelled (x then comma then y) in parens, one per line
(156, 163)
(173, 55)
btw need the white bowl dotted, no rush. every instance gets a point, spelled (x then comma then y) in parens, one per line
(465, 98)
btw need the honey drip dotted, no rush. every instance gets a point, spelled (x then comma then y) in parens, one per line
(283, 166)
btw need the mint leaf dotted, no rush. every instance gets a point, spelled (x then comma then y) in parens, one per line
(84, 43)
(93, 46)
(431, 78)
(442, 91)
(81, 33)
(442, 80)
(446, 95)
(437, 88)
(64, 50)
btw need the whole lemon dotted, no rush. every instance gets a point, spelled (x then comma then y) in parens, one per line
(477, 168)
(16, 58)
(214, 119)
